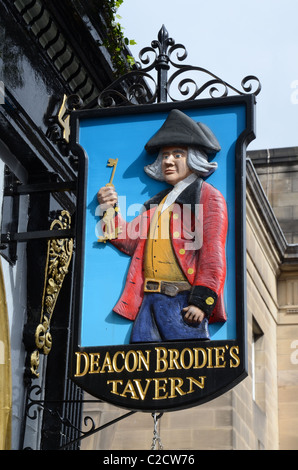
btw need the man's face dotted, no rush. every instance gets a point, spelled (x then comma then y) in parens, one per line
(174, 164)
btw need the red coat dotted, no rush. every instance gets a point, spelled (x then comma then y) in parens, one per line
(204, 268)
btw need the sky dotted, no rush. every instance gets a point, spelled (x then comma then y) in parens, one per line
(233, 39)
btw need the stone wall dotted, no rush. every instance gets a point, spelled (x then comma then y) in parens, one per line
(287, 350)
(277, 170)
(278, 173)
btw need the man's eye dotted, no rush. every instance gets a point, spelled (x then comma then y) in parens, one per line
(178, 155)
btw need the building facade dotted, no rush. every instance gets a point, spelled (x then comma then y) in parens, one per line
(49, 50)
(42, 59)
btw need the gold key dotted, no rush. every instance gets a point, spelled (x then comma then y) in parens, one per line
(110, 232)
(113, 163)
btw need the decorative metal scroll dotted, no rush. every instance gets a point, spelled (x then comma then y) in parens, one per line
(163, 56)
(172, 83)
(36, 404)
(59, 255)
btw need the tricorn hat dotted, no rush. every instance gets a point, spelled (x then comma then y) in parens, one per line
(180, 129)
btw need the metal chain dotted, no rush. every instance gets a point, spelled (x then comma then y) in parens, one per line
(156, 437)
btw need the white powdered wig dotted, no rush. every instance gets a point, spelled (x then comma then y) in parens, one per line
(197, 161)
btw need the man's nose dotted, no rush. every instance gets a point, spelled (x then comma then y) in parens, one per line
(170, 159)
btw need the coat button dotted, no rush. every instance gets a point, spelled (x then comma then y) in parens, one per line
(182, 251)
(176, 234)
(209, 301)
(190, 271)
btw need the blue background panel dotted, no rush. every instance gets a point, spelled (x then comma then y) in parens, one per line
(105, 268)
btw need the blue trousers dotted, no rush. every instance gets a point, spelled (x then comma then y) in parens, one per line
(161, 319)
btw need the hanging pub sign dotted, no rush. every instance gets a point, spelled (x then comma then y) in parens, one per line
(159, 295)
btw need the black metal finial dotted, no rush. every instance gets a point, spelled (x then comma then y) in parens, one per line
(162, 62)
(163, 43)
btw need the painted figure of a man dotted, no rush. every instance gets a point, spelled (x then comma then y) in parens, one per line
(174, 286)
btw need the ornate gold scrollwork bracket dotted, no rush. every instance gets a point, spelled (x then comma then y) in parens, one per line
(59, 124)
(59, 255)
(63, 119)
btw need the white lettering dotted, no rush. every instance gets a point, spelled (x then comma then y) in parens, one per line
(294, 94)
(294, 355)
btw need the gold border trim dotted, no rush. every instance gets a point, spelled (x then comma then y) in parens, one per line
(5, 371)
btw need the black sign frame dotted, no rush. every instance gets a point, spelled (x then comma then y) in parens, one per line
(169, 368)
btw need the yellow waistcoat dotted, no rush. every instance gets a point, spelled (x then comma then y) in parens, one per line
(160, 262)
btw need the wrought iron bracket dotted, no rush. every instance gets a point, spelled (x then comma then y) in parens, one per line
(140, 86)
(21, 189)
(94, 430)
(18, 190)
(36, 235)
(35, 404)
